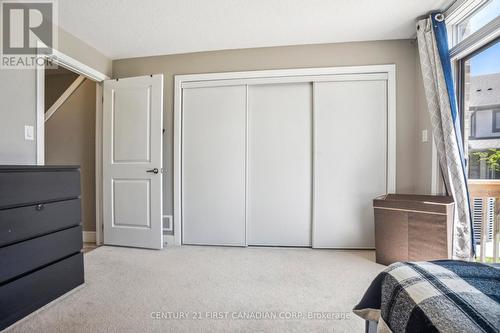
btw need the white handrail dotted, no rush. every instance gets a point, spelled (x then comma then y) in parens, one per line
(485, 189)
(65, 95)
(496, 235)
(484, 229)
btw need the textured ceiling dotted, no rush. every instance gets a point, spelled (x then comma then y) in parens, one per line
(134, 28)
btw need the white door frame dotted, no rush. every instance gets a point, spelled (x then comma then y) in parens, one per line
(78, 67)
(277, 76)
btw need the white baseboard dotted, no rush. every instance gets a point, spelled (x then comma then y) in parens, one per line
(168, 240)
(89, 237)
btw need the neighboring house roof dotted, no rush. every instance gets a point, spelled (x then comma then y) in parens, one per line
(484, 90)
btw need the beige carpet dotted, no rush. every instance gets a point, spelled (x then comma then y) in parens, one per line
(253, 289)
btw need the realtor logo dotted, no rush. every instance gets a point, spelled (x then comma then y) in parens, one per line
(28, 31)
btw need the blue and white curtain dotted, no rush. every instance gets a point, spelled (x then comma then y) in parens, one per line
(440, 94)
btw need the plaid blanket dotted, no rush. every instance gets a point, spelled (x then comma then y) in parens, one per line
(438, 296)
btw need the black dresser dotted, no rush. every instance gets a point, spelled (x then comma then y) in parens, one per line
(40, 237)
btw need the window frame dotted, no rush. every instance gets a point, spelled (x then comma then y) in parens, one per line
(494, 127)
(459, 65)
(472, 125)
(455, 14)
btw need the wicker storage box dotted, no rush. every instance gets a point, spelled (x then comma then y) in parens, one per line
(412, 227)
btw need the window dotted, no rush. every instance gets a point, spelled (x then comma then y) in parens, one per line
(480, 107)
(496, 121)
(474, 40)
(469, 16)
(479, 18)
(472, 125)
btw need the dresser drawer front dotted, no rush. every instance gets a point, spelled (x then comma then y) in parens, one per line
(32, 254)
(18, 224)
(30, 292)
(29, 187)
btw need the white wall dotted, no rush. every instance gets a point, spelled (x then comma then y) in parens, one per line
(423, 151)
(17, 109)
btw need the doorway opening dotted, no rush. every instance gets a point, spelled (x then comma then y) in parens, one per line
(70, 127)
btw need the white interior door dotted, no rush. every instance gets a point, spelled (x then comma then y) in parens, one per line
(132, 161)
(279, 164)
(213, 165)
(350, 166)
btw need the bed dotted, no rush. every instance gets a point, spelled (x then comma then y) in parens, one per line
(433, 296)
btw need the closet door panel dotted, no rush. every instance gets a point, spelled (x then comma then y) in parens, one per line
(279, 164)
(350, 125)
(213, 165)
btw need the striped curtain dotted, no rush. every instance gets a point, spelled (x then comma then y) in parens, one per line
(440, 95)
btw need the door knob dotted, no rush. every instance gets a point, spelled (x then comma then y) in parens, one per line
(155, 170)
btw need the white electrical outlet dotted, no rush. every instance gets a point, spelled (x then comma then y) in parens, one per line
(29, 133)
(424, 136)
(167, 223)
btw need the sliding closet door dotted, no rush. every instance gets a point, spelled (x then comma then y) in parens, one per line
(279, 164)
(213, 165)
(350, 119)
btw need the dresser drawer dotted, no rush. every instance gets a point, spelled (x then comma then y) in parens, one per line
(32, 254)
(20, 188)
(30, 292)
(17, 224)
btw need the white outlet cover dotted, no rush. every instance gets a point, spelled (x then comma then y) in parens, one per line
(424, 136)
(29, 132)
